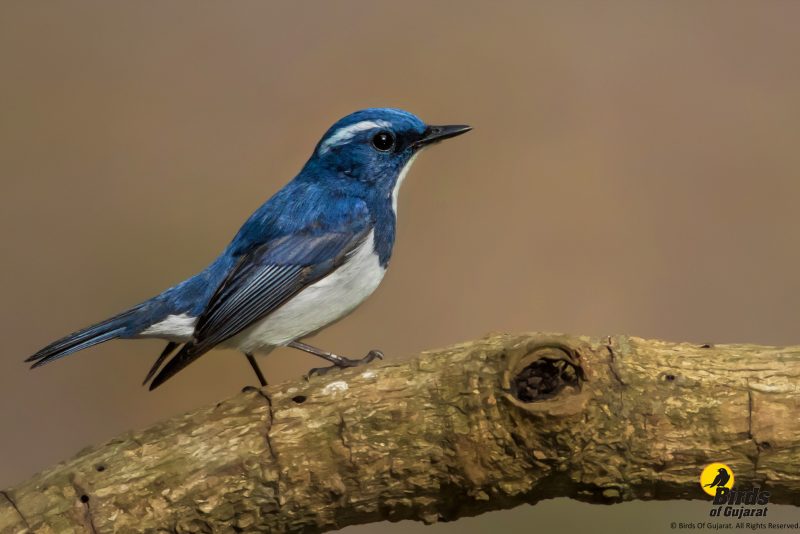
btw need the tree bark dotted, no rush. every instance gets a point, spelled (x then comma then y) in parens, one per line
(484, 425)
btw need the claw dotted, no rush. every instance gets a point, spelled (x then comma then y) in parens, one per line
(319, 371)
(344, 363)
(372, 355)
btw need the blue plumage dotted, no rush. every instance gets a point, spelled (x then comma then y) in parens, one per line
(304, 259)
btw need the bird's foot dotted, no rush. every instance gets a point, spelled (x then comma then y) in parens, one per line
(340, 362)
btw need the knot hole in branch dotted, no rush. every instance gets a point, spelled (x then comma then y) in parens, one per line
(545, 372)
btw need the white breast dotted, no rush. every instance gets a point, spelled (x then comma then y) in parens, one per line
(401, 178)
(319, 304)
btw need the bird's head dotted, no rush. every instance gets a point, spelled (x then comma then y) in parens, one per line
(375, 146)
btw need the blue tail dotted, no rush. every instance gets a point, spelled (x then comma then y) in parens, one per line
(111, 328)
(190, 296)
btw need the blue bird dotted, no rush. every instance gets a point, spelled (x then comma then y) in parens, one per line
(305, 259)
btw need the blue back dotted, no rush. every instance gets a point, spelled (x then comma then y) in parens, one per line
(346, 185)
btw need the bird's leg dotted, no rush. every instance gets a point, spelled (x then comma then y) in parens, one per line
(256, 369)
(337, 361)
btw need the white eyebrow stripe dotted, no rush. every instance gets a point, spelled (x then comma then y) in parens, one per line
(348, 132)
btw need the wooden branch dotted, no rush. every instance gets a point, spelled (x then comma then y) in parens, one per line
(480, 426)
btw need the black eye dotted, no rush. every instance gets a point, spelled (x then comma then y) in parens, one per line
(383, 141)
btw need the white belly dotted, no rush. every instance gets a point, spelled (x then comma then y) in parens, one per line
(318, 305)
(315, 307)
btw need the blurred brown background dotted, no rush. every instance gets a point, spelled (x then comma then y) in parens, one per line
(633, 169)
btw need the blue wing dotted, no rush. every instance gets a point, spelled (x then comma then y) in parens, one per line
(262, 280)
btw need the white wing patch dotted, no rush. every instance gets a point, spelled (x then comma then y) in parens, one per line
(346, 133)
(174, 328)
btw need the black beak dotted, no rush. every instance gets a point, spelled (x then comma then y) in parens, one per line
(434, 134)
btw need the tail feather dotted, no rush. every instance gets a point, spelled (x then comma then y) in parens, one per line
(82, 339)
(171, 346)
(80, 346)
(188, 353)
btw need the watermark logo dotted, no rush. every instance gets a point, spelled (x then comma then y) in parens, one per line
(733, 507)
(716, 476)
(717, 480)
